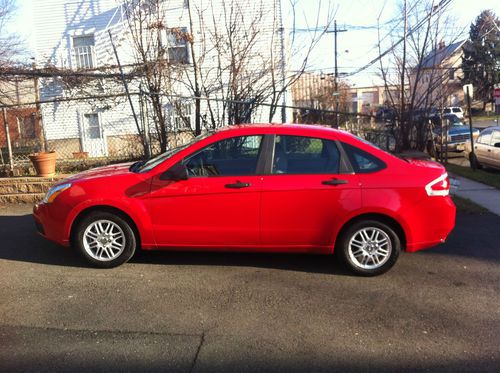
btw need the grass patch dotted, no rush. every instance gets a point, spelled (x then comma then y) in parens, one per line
(465, 205)
(490, 177)
(480, 118)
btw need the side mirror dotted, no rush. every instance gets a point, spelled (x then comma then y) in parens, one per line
(175, 173)
(497, 145)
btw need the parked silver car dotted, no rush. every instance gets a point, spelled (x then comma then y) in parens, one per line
(486, 149)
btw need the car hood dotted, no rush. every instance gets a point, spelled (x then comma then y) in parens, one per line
(106, 171)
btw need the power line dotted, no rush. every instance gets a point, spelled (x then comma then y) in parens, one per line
(441, 6)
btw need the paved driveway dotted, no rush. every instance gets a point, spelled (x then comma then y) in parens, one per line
(437, 310)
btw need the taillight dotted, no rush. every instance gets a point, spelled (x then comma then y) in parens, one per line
(439, 187)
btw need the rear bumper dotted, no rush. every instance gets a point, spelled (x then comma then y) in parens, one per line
(436, 220)
(49, 224)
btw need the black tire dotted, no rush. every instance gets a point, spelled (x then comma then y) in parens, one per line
(126, 240)
(474, 163)
(371, 252)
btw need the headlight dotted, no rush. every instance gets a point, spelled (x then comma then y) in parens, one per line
(55, 191)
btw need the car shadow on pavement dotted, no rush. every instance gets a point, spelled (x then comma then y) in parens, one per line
(475, 236)
(20, 242)
(291, 262)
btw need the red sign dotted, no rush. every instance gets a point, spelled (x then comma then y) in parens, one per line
(496, 93)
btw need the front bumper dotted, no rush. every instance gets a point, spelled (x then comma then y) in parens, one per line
(49, 223)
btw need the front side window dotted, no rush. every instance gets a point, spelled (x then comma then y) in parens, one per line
(305, 155)
(495, 138)
(361, 161)
(236, 156)
(485, 137)
(83, 51)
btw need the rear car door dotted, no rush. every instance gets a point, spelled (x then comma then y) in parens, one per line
(482, 145)
(218, 204)
(308, 190)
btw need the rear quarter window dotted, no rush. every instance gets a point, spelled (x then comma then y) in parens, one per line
(363, 162)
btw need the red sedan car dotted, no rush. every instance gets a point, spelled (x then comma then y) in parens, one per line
(274, 188)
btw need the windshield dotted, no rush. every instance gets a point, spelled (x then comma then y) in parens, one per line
(454, 120)
(153, 162)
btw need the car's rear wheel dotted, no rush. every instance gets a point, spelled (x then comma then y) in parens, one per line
(105, 240)
(369, 247)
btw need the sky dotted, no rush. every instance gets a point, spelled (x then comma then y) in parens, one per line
(355, 46)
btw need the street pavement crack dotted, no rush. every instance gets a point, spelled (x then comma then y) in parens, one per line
(202, 340)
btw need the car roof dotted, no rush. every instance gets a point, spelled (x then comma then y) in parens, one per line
(287, 127)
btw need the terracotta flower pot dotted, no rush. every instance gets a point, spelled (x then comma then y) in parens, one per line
(45, 163)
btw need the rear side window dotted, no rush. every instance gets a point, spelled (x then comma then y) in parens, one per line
(363, 162)
(305, 155)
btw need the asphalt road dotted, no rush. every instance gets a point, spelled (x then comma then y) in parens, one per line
(437, 310)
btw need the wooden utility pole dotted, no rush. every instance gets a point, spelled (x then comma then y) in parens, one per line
(336, 73)
(472, 153)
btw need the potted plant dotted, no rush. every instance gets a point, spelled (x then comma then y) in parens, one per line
(44, 163)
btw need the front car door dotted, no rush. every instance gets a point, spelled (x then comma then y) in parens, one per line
(308, 191)
(495, 148)
(218, 204)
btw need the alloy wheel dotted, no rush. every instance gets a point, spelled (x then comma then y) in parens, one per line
(369, 248)
(104, 240)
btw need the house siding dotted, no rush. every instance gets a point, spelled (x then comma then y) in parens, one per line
(58, 21)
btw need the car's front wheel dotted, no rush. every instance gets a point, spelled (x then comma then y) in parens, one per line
(105, 240)
(369, 247)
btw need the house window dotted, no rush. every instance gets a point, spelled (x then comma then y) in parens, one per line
(83, 51)
(181, 115)
(177, 45)
(92, 126)
(452, 74)
(26, 127)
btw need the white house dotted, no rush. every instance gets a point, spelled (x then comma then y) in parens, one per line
(74, 34)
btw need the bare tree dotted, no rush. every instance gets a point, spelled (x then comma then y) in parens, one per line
(157, 70)
(10, 45)
(239, 58)
(417, 68)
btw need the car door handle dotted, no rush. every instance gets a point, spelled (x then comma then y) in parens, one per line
(334, 182)
(238, 185)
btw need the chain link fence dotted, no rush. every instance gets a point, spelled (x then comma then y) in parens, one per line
(91, 131)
